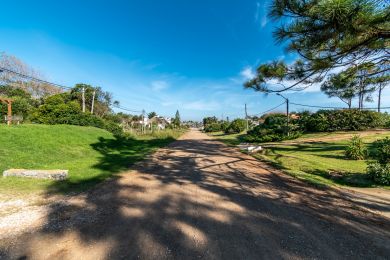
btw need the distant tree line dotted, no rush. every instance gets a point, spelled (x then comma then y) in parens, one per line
(40, 102)
(274, 127)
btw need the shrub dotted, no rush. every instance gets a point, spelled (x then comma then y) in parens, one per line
(273, 129)
(209, 120)
(224, 125)
(379, 173)
(60, 109)
(213, 127)
(348, 120)
(356, 149)
(236, 126)
(22, 105)
(379, 170)
(382, 151)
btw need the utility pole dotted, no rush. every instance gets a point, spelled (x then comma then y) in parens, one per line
(83, 98)
(93, 100)
(143, 121)
(246, 118)
(287, 112)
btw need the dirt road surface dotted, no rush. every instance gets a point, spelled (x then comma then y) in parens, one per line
(198, 198)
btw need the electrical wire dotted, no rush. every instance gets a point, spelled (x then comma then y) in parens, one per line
(59, 86)
(314, 106)
(268, 110)
(326, 107)
(127, 109)
(33, 78)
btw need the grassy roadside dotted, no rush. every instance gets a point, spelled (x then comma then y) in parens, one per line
(317, 158)
(91, 155)
(231, 140)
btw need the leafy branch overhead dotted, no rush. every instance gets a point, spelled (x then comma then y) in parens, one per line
(327, 35)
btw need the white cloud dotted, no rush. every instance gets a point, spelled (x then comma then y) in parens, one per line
(263, 21)
(159, 85)
(257, 11)
(247, 73)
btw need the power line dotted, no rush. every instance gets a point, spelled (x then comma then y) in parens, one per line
(127, 109)
(58, 85)
(268, 110)
(328, 107)
(33, 78)
(314, 106)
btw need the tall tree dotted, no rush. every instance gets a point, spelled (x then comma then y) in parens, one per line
(16, 73)
(209, 120)
(152, 114)
(381, 81)
(103, 99)
(176, 120)
(342, 86)
(326, 35)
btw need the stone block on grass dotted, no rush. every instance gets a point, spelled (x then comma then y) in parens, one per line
(57, 175)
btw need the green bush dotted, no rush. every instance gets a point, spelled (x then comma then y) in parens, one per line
(60, 109)
(274, 128)
(209, 120)
(22, 105)
(236, 126)
(338, 120)
(379, 173)
(213, 127)
(379, 170)
(224, 125)
(382, 151)
(356, 149)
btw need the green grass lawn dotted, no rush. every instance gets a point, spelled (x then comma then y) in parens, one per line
(319, 162)
(90, 154)
(232, 140)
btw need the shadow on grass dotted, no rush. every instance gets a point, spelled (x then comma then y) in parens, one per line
(233, 141)
(117, 155)
(278, 165)
(353, 179)
(350, 179)
(187, 203)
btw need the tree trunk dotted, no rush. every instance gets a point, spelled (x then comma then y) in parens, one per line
(379, 98)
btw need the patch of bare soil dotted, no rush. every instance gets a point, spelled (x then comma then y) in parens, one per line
(198, 198)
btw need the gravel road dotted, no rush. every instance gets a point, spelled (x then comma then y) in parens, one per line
(198, 198)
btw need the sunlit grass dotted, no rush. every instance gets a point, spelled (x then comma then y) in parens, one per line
(90, 154)
(321, 162)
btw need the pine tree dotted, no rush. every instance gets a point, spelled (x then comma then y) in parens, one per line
(176, 121)
(326, 35)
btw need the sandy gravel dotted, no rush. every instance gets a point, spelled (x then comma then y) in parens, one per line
(198, 198)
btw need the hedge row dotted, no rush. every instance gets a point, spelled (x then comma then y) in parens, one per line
(341, 120)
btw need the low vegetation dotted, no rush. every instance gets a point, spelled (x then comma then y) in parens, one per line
(320, 158)
(90, 154)
(273, 128)
(379, 169)
(356, 149)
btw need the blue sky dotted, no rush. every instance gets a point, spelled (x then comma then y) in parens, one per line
(155, 55)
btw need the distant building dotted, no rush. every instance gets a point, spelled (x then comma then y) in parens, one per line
(157, 121)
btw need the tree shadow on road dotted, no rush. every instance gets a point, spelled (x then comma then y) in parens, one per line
(201, 199)
(117, 155)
